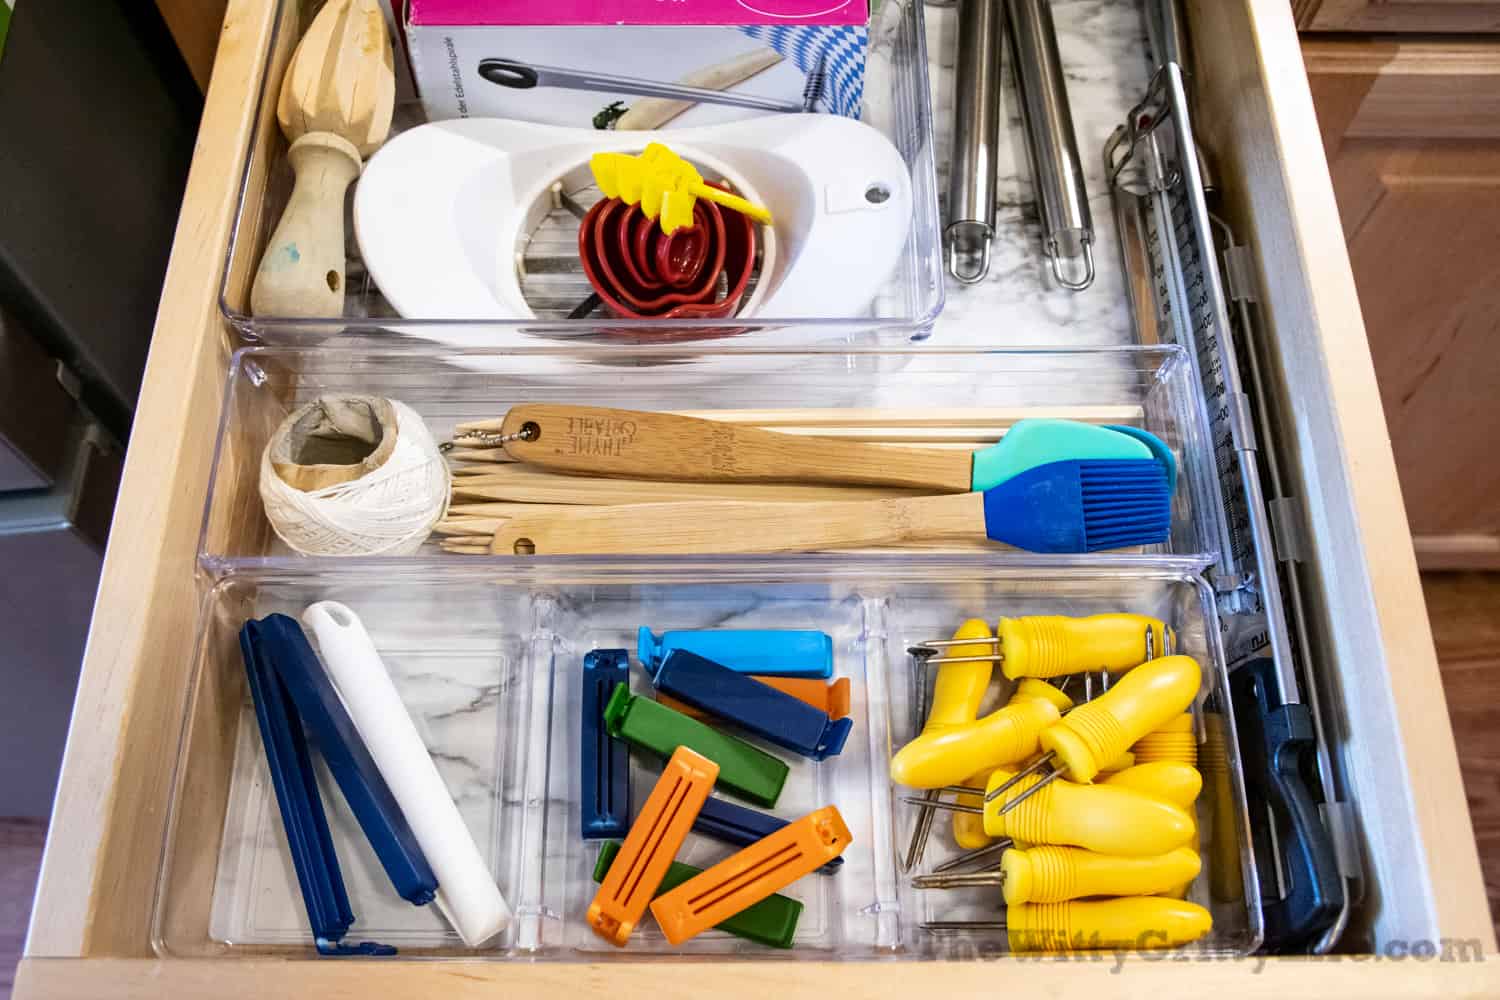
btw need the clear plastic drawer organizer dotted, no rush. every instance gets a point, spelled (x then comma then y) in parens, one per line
(896, 103)
(487, 651)
(490, 667)
(1147, 387)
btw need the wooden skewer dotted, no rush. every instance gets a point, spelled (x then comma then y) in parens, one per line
(479, 545)
(890, 437)
(480, 469)
(479, 458)
(693, 528)
(479, 455)
(527, 485)
(466, 550)
(953, 416)
(978, 435)
(490, 509)
(479, 530)
(458, 513)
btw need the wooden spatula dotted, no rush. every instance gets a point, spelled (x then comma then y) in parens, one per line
(336, 104)
(645, 445)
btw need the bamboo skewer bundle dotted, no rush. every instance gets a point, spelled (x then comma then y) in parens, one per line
(836, 417)
(490, 486)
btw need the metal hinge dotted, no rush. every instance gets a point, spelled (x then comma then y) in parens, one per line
(1241, 421)
(1288, 529)
(70, 382)
(1338, 817)
(1239, 274)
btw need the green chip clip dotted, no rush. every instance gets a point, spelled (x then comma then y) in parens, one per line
(744, 770)
(772, 921)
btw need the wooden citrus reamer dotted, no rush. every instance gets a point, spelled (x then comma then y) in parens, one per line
(335, 108)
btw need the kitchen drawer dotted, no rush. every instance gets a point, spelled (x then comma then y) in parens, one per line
(1371, 646)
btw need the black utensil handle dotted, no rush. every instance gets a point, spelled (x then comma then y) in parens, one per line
(1277, 742)
(508, 73)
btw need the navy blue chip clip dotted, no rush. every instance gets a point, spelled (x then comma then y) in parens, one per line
(604, 761)
(291, 691)
(755, 707)
(742, 826)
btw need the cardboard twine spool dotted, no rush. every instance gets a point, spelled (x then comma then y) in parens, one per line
(351, 475)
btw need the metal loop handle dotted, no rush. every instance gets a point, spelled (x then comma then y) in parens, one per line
(508, 73)
(1088, 273)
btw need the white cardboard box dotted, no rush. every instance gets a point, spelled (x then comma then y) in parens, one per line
(446, 65)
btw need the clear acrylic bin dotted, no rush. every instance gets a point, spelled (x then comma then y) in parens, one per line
(489, 663)
(1150, 387)
(896, 102)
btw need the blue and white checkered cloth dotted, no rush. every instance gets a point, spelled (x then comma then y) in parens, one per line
(840, 47)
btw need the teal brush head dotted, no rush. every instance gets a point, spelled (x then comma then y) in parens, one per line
(1158, 448)
(1030, 443)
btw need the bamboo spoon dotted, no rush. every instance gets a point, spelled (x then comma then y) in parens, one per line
(335, 108)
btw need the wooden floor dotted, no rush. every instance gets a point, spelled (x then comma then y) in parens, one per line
(20, 857)
(1465, 612)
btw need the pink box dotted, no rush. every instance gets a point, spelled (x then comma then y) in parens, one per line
(454, 13)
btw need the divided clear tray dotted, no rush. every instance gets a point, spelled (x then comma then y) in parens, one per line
(486, 651)
(490, 666)
(896, 103)
(910, 391)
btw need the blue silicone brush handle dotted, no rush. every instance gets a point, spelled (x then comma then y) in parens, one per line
(774, 652)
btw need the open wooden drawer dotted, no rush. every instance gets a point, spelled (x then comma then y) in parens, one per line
(91, 929)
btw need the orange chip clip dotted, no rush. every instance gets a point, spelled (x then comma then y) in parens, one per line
(663, 823)
(743, 879)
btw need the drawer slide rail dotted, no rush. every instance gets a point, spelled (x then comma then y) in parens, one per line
(1157, 183)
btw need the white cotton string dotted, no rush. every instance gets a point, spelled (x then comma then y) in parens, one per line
(389, 511)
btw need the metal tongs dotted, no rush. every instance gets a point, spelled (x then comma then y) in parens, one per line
(1057, 170)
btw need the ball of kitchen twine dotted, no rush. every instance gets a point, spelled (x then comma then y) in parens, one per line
(389, 510)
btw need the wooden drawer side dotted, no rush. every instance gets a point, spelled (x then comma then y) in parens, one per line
(100, 868)
(1371, 640)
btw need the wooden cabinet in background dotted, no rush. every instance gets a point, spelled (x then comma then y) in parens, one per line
(1397, 15)
(1412, 133)
(195, 26)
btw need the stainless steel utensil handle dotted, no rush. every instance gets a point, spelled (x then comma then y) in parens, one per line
(1166, 33)
(1067, 226)
(976, 138)
(521, 76)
